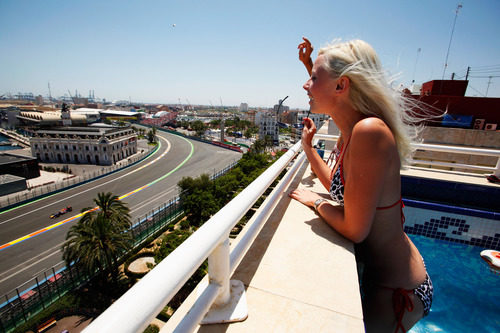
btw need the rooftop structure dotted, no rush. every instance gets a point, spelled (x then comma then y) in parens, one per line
(18, 165)
(54, 118)
(449, 96)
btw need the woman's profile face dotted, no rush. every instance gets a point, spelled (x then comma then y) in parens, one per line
(320, 88)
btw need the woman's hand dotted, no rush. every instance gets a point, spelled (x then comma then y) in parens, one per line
(308, 132)
(304, 196)
(305, 50)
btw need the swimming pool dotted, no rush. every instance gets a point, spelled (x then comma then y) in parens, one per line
(466, 292)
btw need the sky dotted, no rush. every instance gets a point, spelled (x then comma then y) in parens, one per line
(229, 51)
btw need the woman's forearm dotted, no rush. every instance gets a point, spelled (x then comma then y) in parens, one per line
(320, 168)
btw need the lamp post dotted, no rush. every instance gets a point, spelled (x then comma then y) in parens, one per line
(279, 106)
(278, 113)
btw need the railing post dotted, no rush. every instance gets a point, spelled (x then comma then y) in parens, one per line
(497, 168)
(230, 305)
(218, 271)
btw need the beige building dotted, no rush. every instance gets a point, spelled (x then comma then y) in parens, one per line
(84, 145)
(268, 126)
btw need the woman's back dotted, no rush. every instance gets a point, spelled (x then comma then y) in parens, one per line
(386, 250)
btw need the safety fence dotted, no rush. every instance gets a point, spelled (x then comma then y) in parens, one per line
(35, 295)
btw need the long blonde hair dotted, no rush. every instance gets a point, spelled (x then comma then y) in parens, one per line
(371, 92)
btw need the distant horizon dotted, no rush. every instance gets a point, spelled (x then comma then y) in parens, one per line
(132, 103)
(229, 52)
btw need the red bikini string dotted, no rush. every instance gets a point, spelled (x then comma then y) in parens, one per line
(401, 301)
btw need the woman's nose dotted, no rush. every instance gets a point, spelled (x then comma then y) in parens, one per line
(306, 85)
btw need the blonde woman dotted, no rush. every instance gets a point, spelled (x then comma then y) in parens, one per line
(348, 84)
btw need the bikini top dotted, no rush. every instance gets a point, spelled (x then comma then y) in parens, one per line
(337, 184)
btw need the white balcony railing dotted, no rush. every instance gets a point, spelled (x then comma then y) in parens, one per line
(140, 304)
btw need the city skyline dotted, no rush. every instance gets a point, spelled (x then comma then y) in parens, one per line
(229, 53)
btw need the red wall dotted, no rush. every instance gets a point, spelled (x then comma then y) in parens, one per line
(479, 107)
(444, 87)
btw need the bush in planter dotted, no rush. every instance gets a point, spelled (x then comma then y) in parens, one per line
(163, 315)
(136, 275)
(152, 329)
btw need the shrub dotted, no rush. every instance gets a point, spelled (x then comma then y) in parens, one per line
(152, 329)
(163, 315)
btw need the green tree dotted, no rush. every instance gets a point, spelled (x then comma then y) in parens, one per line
(268, 141)
(227, 185)
(113, 209)
(152, 135)
(259, 146)
(197, 197)
(99, 238)
(199, 127)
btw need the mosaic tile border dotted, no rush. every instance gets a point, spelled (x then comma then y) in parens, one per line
(453, 224)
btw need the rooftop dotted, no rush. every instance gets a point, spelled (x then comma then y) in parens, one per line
(298, 274)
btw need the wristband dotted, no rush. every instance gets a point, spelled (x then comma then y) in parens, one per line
(317, 203)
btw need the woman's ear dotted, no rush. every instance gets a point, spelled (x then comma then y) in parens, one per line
(342, 84)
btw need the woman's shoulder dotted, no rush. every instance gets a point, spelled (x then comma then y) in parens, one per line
(372, 129)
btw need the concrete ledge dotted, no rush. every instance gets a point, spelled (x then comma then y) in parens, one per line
(299, 274)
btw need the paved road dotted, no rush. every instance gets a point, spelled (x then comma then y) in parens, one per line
(177, 158)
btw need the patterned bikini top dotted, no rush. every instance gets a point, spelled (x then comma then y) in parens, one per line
(337, 181)
(337, 184)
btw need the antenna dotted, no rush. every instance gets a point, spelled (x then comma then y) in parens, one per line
(50, 94)
(415, 67)
(488, 87)
(451, 37)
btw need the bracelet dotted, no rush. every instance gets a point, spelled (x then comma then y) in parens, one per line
(317, 203)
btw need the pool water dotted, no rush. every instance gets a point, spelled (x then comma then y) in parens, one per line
(466, 292)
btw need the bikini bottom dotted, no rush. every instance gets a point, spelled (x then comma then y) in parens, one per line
(401, 300)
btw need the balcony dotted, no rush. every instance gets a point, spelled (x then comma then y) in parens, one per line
(299, 274)
(287, 271)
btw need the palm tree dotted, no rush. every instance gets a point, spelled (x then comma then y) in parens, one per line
(114, 210)
(99, 237)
